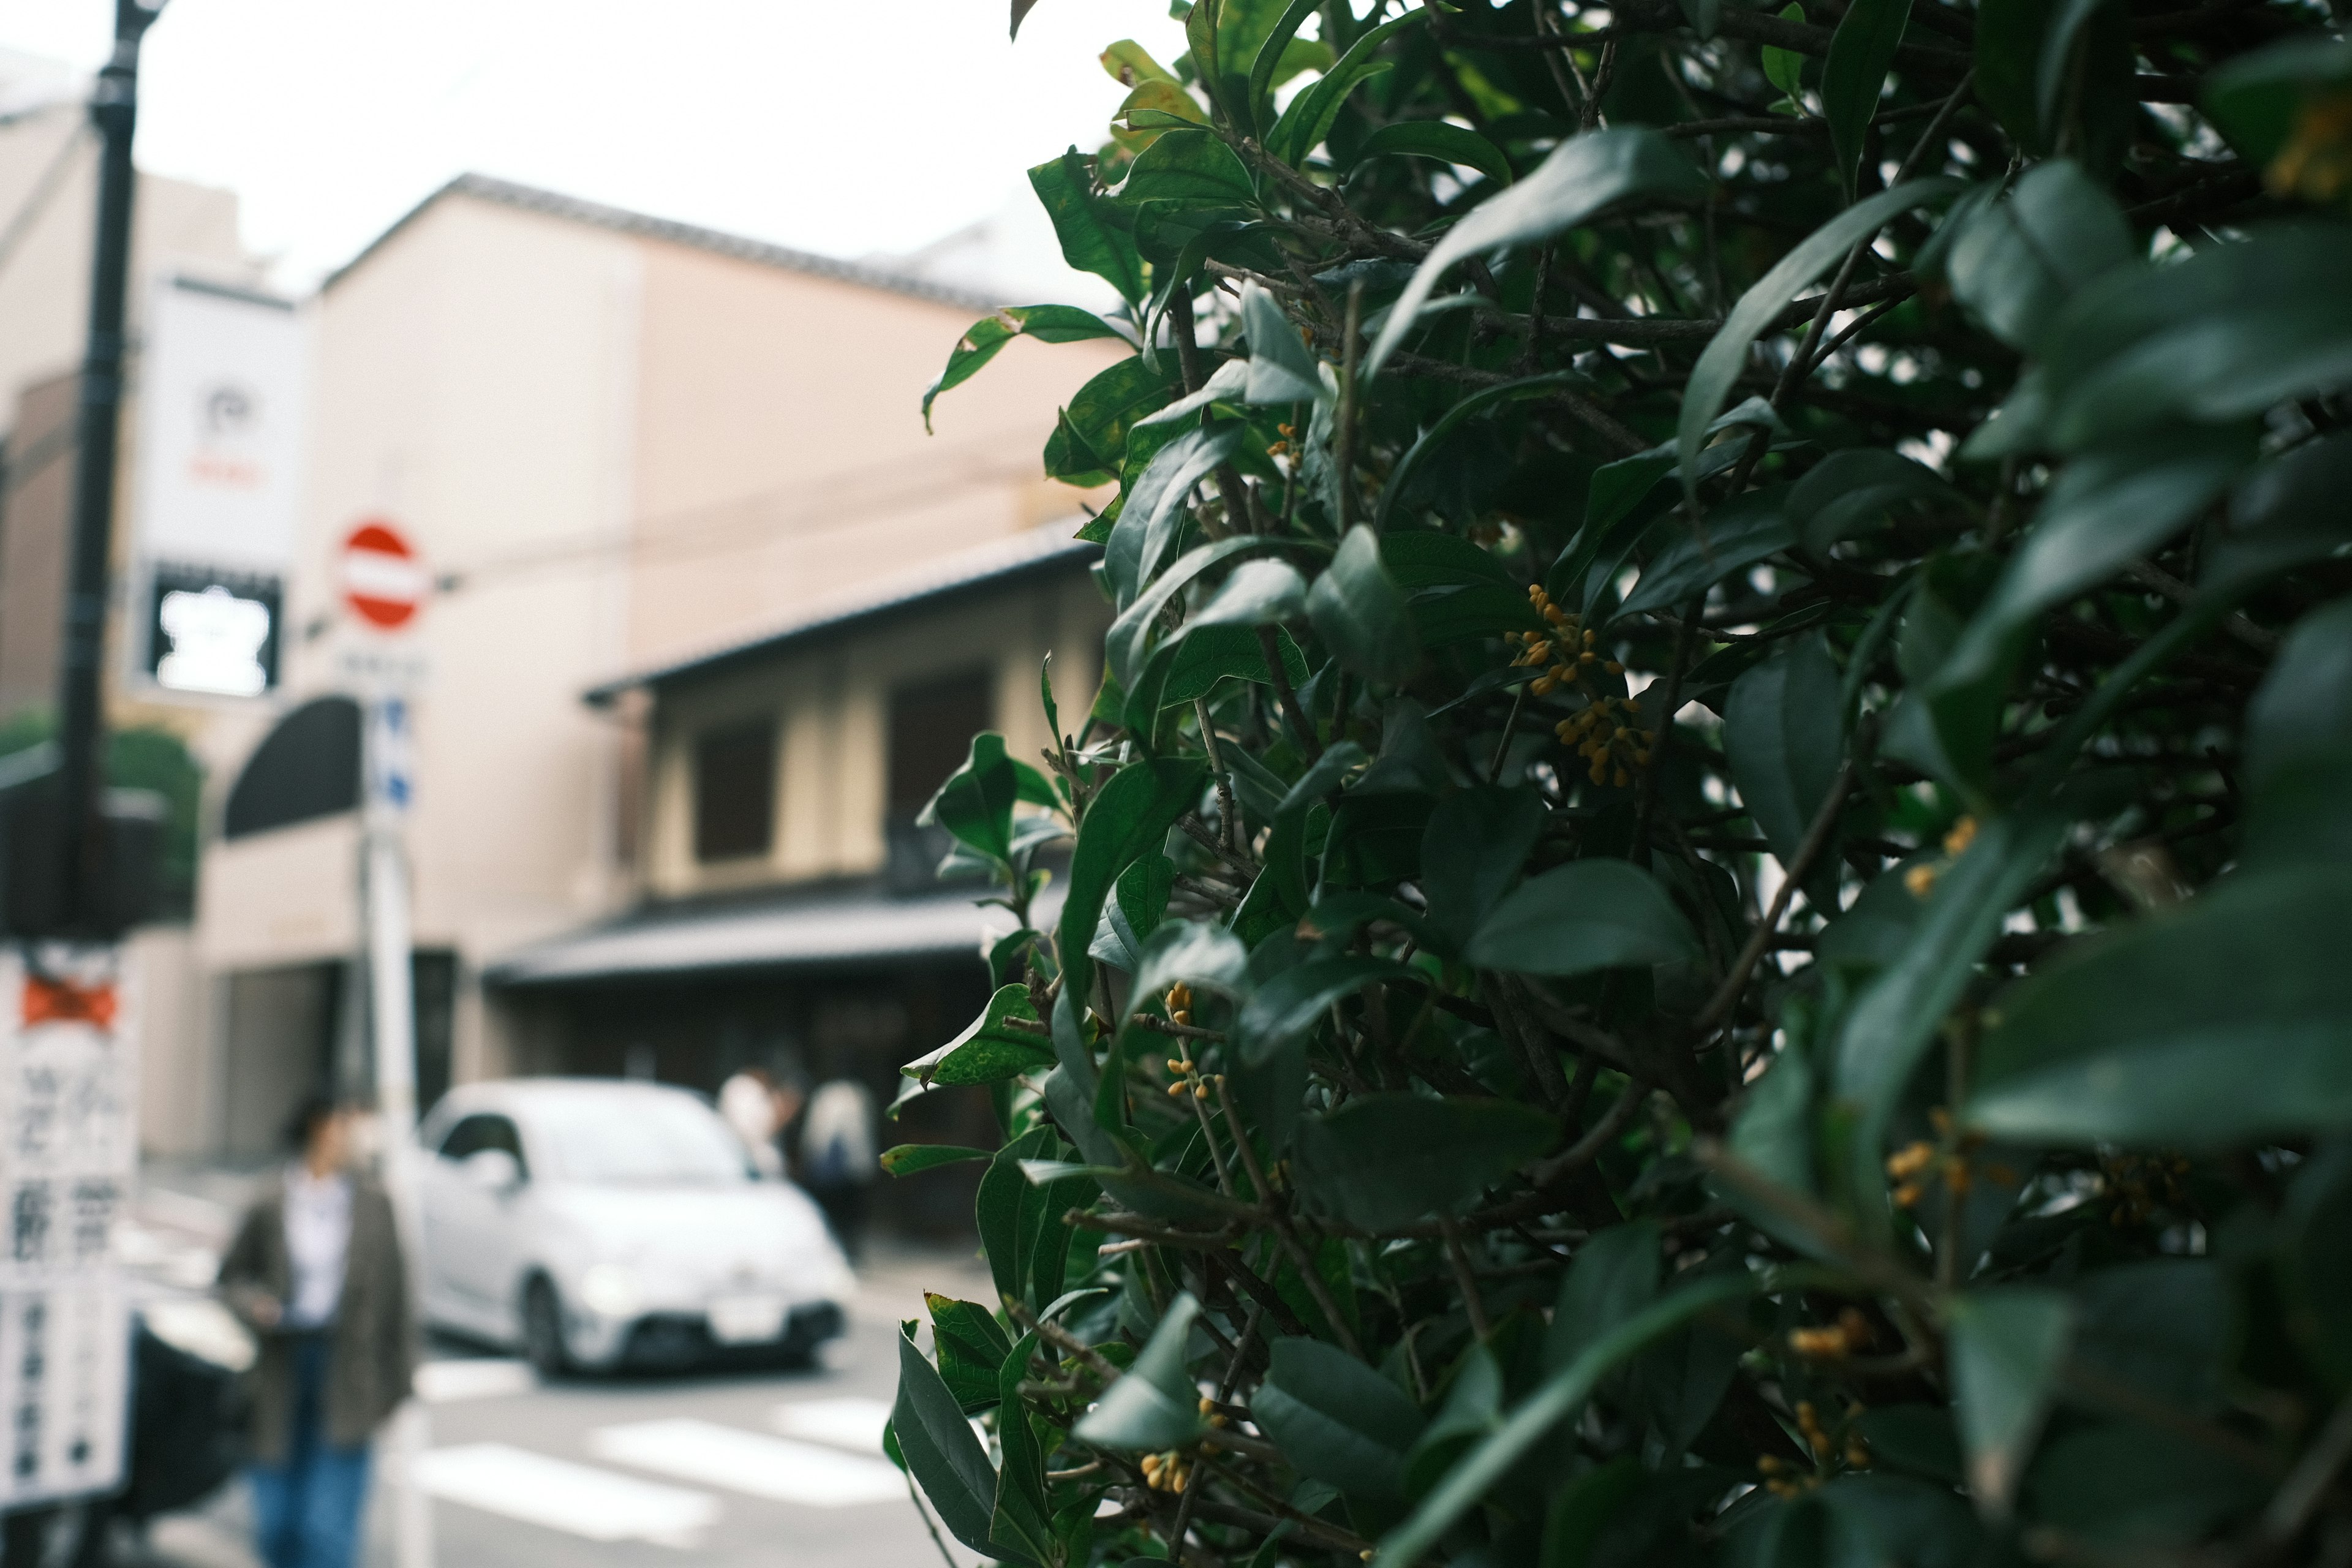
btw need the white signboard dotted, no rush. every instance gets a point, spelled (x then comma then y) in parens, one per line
(68, 1153)
(220, 447)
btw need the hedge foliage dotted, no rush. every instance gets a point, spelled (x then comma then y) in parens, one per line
(1707, 893)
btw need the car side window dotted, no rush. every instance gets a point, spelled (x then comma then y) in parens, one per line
(482, 1130)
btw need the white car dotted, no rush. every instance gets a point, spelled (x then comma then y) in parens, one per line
(598, 1223)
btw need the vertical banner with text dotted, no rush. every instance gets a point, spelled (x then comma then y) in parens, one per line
(68, 1153)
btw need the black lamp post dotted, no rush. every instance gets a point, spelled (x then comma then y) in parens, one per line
(82, 841)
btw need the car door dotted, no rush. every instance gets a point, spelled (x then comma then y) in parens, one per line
(472, 1236)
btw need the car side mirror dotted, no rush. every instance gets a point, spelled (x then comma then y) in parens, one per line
(491, 1171)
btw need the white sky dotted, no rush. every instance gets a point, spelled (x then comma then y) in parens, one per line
(844, 129)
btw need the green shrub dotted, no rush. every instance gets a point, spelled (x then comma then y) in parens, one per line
(1708, 911)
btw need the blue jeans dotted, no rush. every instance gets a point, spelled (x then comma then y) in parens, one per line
(306, 1511)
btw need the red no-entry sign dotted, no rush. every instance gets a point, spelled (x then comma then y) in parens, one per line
(384, 580)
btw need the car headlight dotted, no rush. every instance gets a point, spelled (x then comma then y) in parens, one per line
(610, 1290)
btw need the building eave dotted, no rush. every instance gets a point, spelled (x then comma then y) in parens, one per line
(718, 242)
(1042, 553)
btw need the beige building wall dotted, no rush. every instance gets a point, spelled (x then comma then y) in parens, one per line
(615, 448)
(782, 457)
(473, 385)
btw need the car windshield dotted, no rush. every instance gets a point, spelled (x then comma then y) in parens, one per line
(639, 1139)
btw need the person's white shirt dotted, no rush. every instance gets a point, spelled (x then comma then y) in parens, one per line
(318, 1242)
(749, 1106)
(838, 1136)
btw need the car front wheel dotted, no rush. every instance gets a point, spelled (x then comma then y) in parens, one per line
(544, 1340)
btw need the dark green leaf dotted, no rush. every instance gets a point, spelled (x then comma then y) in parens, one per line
(1561, 1394)
(1861, 53)
(2007, 1344)
(946, 1460)
(907, 1159)
(2144, 1038)
(1785, 68)
(976, 804)
(2161, 1328)
(1187, 169)
(1382, 1160)
(1848, 490)
(1336, 1419)
(1785, 732)
(1586, 915)
(1202, 955)
(1130, 817)
(2256, 99)
(2292, 509)
(1583, 1509)
(990, 1048)
(1309, 119)
(2107, 509)
(1296, 1000)
(1435, 139)
(1359, 611)
(1739, 533)
(1727, 353)
(1019, 1520)
(1152, 511)
(1582, 177)
(2008, 49)
(2221, 336)
(1003, 1190)
(1266, 69)
(1894, 1021)
(2299, 744)
(971, 1349)
(2017, 262)
(1476, 842)
(1154, 1406)
(1124, 645)
(2136, 1486)
(1088, 243)
(1613, 1278)
(1093, 428)
(1281, 368)
(985, 337)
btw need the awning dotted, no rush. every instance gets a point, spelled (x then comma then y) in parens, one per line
(804, 932)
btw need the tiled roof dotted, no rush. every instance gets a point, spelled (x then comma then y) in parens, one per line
(1040, 551)
(551, 204)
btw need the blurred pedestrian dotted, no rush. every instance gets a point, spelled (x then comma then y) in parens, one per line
(316, 1273)
(753, 1104)
(837, 1157)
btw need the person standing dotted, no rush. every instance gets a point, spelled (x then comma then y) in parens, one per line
(837, 1158)
(753, 1104)
(318, 1274)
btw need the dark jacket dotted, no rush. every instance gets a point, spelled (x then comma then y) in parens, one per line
(374, 1331)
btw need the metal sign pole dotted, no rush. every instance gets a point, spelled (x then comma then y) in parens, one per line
(391, 1007)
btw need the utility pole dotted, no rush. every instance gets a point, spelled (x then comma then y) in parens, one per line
(114, 111)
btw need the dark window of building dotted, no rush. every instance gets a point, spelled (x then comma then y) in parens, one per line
(307, 768)
(932, 723)
(932, 726)
(735, 792)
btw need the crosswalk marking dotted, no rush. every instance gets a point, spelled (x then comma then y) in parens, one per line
(777, 1468)
(580, 1498)
(855, 1424)
(441, 1381)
